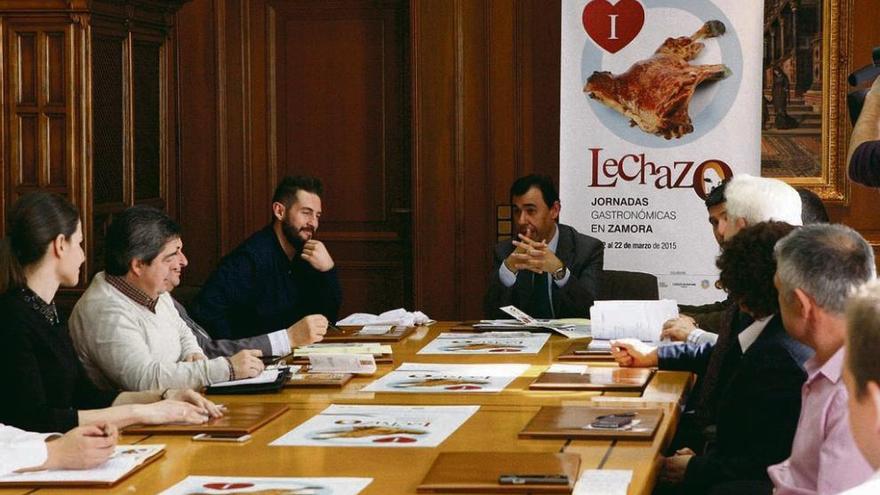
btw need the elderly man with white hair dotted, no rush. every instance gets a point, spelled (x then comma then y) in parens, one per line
(752, 200)
(748, 200)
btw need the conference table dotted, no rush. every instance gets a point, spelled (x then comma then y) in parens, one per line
(493, 428)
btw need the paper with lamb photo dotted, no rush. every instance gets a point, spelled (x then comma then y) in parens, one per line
(235, 485)
(123, 460)
(447, 378)
(395, 317)
(641, 320)
(378, 426)
(486, 343)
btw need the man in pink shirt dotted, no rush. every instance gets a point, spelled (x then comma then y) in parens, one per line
(862, 377)
(817, 266)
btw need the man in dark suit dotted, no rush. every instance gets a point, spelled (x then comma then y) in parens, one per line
(549, 270)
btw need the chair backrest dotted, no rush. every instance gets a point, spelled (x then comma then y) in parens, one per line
(622, 285)
(186, 294)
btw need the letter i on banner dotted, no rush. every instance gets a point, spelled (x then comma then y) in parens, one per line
(659, 102)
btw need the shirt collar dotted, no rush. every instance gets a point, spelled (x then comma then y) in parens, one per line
(554, 241)
(132, 292)
(748, 336)
(831, 369)
(47, 310)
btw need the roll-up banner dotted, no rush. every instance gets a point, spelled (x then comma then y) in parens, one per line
(660, 101)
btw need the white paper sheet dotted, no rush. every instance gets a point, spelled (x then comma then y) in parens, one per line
(579, 369)
(239, 484)
(361, 364)
(447, 378)
(267, 376)
(378, 426)
(375, 329)
(642, 320)
(344, 348)
(397, 316)
(603, 482)
(126, 458)
(486, 343)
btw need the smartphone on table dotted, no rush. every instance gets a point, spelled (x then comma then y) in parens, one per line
(221, 437)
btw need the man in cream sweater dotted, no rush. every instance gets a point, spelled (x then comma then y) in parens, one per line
(125, 327)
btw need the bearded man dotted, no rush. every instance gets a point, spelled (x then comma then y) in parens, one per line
(278, 276)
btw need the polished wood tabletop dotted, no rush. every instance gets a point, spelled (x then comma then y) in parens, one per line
(493, 428)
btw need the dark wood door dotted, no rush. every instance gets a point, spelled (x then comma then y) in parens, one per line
(340, 87)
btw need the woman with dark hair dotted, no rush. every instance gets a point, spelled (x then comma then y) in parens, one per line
(44, 383)
(751, 390)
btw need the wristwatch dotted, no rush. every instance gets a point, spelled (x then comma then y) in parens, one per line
(560, 273)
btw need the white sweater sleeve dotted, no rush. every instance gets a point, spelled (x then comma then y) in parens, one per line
(134, 357)
(21, 449)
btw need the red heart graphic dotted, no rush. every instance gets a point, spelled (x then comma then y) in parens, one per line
(227, 486)
(394, 439)
(613, 26)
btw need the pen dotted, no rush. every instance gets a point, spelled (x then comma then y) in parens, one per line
(533, 479)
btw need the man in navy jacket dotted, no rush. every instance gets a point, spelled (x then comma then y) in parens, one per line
(280, 277)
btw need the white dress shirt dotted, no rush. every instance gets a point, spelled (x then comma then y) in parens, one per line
(508, 278)
(748, 336)
(870, 487)
(21, 449)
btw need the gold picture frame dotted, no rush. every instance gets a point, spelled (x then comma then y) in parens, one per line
(828, 179)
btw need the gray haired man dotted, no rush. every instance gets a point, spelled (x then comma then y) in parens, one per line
(817, 268)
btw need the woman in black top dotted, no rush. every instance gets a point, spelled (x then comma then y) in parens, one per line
(45, 386)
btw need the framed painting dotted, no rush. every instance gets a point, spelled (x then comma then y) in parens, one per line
(805, 125)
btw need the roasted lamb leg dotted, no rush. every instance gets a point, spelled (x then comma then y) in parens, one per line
(655, 93)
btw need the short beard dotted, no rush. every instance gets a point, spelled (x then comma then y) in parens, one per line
(292, 236)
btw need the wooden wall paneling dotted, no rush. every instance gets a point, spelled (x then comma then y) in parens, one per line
(110, 186)
(538, 65)
(340, 112)
(111, 155)
(371, 284)
(42, 111)
(147, 131)
(5, 101)
(474, 210)
(41, 105)
(153, 106)
(200, 213)
(437, 269)
(235, 170)
(261, 122)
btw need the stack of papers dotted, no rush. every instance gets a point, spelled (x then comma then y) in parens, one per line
(395, 317)
(641, 320)
(373, 348)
